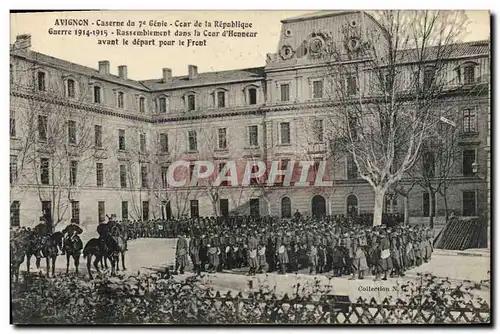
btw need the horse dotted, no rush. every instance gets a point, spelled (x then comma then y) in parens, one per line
(100, 249)
(120, 237)
(44, 246)
(73, 248)
(17, 254)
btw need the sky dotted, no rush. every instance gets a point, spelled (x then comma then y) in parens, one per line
(147, 62)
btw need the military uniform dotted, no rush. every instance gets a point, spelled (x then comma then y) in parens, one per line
(181, 254)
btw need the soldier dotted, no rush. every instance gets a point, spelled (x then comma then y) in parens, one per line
(181, 254)
(261, 254)
(69, 232)
(359, 264)
(312, 254)
(213, 255)
(253, 245)
(194, 252)
(282, 254)
(385, 255)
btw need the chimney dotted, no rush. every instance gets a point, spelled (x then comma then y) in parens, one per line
(23, 42)
(104, 67)
(167, 75)
(122, 72)
(193, 71)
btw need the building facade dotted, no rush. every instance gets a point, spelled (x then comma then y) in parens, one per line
(85, 143)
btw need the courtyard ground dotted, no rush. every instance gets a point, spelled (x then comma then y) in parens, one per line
(149, 255)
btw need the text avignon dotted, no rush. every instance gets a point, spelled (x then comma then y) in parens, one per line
(71, 22)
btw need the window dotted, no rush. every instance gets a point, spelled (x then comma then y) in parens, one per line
(254, 207)
(13, 168)
(191, 102)
(352, 168)
(72, 132)
(254, 180)
(428, 78)
(11, 73)
(73, 172)
(468, 159)
(221, 168)
(391, 204)
(221, 99)
(285, 92)
(166, 210)
(101, 211)
(318, 89)
(224, 207)
(144, 176)
(97, 94)
(469, 203)
(41, 81)
(142, 142)
(99, 174)
(283, 166)
(426, 204)
(191, 170)
(429, 164)
(222, 134)
(318, 130)
(195, 210)
(142, 104)
(47, 210)
(12, 128)
(253, 135)
(44, 171)
(120, 96)
(145, 210)
(75, 211)
(164, 179)
(469, 75)
(124, 210)
(353, 126)
(352, 206)
(252, 96)
(469, 120)
(162, 105)
(286, 207)
(98, 136)
(121, 140)
(123, 176)
(285, 133)
(192, 141)
(352, 85)
(15, 213)
(42, 128)
(70, 88)
(163, 143)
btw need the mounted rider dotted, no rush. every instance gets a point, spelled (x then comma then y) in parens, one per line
(41, 234)
(71, 235)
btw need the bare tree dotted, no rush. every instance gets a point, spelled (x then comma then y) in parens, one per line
(388, 86)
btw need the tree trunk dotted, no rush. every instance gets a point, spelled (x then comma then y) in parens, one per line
(445, 197)
(432, 199)
(378, 206)
(405, 203)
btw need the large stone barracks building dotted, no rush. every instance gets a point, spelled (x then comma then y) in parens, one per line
(85, 143)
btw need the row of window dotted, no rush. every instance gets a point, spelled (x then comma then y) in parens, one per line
(469, 208)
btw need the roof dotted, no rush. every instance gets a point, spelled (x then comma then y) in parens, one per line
(456, 50)
(207, 78)
(317, 15)
(74, 67)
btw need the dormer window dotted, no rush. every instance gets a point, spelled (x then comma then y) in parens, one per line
(41, 84)
(251, 94)
(97, 94)
(428, 78)
(142, 104)
(190, 101)
(162, 105)
(70, 88)
(469, 74)
(120, 100)
(221, 99)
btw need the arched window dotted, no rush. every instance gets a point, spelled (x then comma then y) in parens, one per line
(352, 206)
(286, 207)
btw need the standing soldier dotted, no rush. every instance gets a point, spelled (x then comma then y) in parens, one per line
(261, 254)
(181, 254)
(282, 254)
(253, 245)
(194, 252)
(385, 255)
(359, 264)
